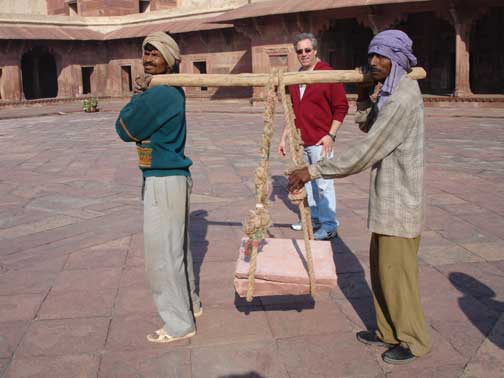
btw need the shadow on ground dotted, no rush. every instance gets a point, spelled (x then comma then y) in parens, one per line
(198, 243)
(352, 282)
(472, 288)
(251, 374)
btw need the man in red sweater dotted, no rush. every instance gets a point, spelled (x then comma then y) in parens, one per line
(319, 109)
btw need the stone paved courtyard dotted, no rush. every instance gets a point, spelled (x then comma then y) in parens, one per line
(74, 301)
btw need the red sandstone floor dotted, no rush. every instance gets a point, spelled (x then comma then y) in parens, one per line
(73, 298)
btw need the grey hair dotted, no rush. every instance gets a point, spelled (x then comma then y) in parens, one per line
(303, 36)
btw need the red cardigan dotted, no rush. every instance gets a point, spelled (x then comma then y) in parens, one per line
(320, 105)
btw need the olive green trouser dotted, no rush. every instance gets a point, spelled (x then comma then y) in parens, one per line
(394, 279)
(168, 263)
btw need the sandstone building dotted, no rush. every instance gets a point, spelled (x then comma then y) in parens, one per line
(71, 48)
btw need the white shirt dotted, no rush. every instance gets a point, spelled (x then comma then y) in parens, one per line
(302, 87)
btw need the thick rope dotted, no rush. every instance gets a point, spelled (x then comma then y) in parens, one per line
(299, 199)
(256, 227)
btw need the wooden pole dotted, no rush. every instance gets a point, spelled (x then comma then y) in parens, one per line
(260, 80)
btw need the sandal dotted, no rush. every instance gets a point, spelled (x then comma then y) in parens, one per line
(160, 336)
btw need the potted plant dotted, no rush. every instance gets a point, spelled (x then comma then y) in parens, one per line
(90, 105)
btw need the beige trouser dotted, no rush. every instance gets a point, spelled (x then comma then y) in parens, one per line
(394, 278)
(168, 264)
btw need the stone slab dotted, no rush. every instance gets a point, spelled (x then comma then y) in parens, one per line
(90, 279)
(131, 300)
(134, 276)
(89, 259)
(10, 335)
(441, 371)
(159, 363)
(329, 355)
(63, 337)
(322, 319)
(464, 336)
(282, 268)
(488, 361)
(25, 282)
(253, 359)
(213, 328)
(70, 366)
(19, 307)
(78, 304)
(4, 362)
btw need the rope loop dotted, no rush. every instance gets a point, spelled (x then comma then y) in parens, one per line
(259, 220)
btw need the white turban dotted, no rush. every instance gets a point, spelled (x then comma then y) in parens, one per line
(166, 45)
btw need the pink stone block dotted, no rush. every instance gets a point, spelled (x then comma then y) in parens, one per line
(282, 268)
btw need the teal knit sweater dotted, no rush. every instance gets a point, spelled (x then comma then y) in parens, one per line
(155, 120)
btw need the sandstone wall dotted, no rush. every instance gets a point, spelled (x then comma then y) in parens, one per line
(162, 4)
(23, 6)
(210, 4)
(91, 8)
(57, 7)
(220, 52)
(107, 7)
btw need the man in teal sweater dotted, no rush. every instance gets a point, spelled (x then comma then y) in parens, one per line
(155, 120)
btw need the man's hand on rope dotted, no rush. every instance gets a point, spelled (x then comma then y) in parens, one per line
(298, 178)
(327, 144)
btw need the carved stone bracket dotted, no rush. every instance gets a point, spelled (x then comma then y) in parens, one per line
(248, 29)
(203, 37)
(300, 23)
(319, 24)
(378, 20)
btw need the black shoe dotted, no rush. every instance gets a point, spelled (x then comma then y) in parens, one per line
(370, 338)
(398, 355)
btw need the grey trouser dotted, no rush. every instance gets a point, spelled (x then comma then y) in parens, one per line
(168, 264)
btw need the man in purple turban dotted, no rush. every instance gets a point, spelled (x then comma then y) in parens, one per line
(393, 149)
(395, 46)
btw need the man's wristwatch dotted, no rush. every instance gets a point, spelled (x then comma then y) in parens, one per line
(333, 136)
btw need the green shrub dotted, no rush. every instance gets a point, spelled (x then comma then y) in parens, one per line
(90, 104)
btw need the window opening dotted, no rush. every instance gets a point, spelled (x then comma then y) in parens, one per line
(72, 7)
(144, 6)
(127, 84)
(86, 79)
(201, 68)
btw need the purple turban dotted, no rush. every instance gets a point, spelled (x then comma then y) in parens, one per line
(396, 46)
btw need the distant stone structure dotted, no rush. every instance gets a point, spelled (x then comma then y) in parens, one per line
(71, 48)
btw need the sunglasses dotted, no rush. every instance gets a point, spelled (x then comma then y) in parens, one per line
(306, 51)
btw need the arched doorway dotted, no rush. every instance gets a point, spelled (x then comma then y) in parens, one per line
(344, 46)
(487, 58)
(40, 79)
(434, 46)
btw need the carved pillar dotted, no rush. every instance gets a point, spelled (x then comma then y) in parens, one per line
(11, 83)
(463, 26)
